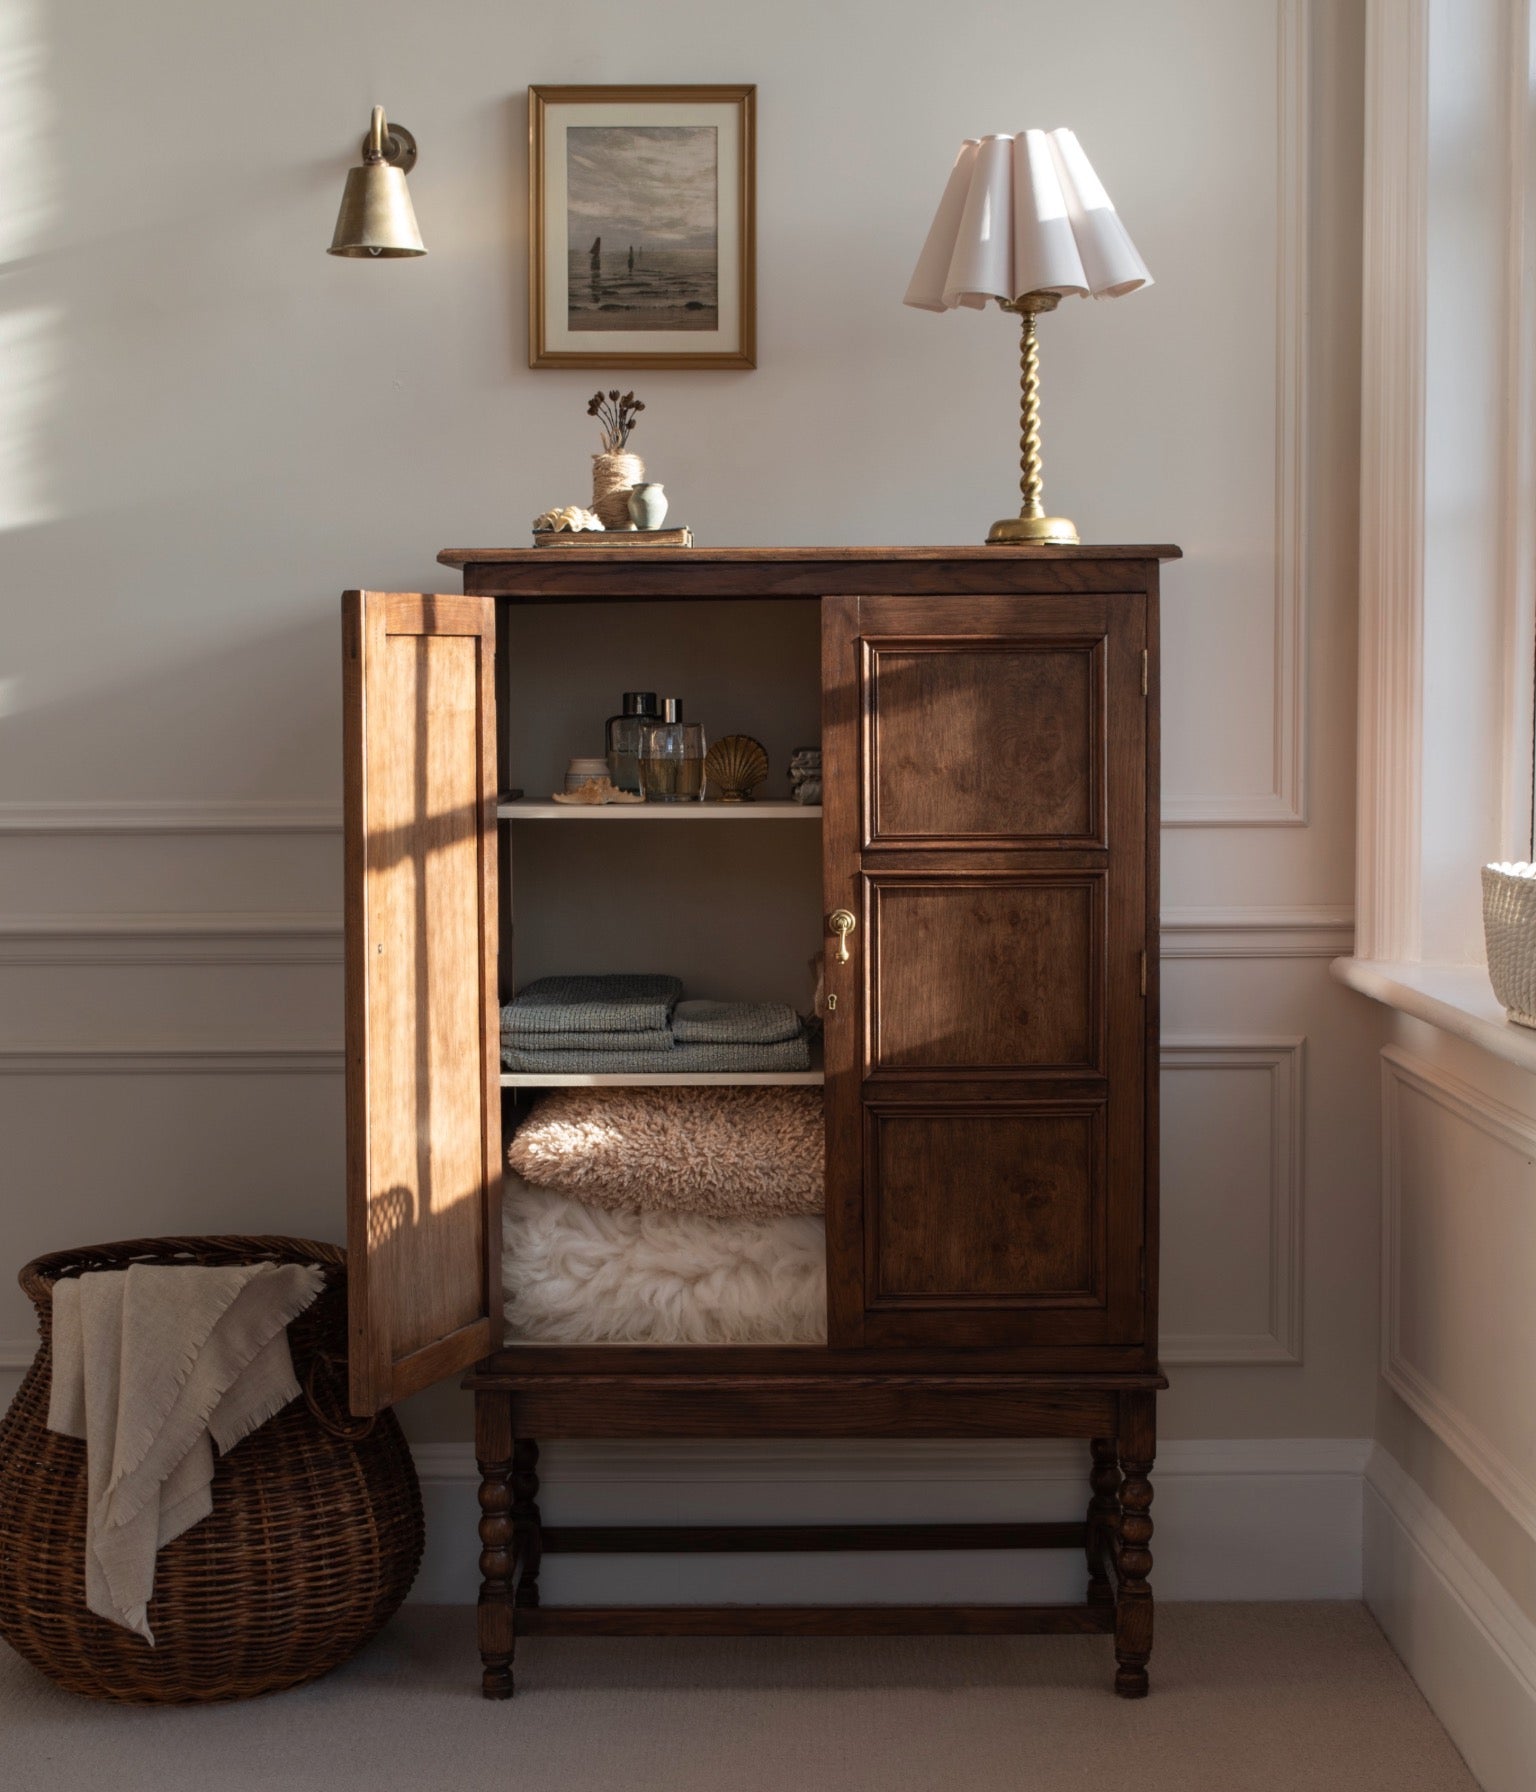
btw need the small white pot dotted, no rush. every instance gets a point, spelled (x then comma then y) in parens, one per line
(584, 771)
(1509, 928)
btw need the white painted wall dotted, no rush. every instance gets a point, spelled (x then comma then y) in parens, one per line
(209, 428)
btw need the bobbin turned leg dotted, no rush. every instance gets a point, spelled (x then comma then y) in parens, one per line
(495, 1619)
(1133, 1603)
(526, 1525)
(1103, 1519)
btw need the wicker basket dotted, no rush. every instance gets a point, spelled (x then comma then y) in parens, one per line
(1509, 928)
(314, 1538)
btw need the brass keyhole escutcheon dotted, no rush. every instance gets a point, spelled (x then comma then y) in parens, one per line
(842, 922)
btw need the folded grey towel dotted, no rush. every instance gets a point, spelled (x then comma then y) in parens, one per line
(617, 1003)
(734, 1023)
(783, 1054)
(654, 1039)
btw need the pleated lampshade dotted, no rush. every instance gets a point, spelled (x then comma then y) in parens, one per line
(1023, 214)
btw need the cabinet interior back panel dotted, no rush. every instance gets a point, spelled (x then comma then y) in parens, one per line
(734, 911)
(740, 668)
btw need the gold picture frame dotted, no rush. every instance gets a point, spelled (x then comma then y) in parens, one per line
(664, 181)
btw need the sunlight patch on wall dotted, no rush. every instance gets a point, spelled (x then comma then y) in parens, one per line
(29, 198)
(28, 370)
(29, 334)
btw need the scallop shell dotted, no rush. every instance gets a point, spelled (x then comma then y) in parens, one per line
(567, 518)
(738, 764)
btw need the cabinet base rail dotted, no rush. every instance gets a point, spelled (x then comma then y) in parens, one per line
(722, 1539)
(1112, 1541)
(814, 1620)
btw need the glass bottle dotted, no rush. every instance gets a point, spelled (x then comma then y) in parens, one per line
(672, 757)
(623, 737)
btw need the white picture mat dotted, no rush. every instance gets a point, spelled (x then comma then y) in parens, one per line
(725, 116)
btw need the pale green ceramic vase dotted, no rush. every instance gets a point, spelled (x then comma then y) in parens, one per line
(648, 505)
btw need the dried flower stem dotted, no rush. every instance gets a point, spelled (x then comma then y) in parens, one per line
(616, 415)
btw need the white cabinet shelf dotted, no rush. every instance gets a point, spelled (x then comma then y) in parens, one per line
(526, 809)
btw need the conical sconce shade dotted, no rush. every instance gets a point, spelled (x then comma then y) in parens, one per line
(377, 217)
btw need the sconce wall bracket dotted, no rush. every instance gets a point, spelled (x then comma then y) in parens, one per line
(399, 147)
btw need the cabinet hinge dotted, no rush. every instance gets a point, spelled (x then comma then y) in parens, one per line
(1143, 973)
(1143, 671)
(1143, 1269)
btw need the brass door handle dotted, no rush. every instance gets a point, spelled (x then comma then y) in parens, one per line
(842, 921)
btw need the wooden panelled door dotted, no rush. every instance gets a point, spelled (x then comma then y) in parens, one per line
(423, 1095)
(984, 822)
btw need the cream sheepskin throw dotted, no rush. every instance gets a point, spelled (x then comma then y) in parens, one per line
(738, 1152)
(576, 1274)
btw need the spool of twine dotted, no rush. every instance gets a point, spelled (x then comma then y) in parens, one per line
(613, 478)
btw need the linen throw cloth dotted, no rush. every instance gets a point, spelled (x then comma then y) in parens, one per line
(153, 1367)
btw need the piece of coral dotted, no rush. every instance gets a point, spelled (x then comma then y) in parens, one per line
(595, 791)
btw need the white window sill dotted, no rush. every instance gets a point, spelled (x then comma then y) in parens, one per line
(1454, 997)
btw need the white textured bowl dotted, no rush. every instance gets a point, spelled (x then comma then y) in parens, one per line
(1509, 928)
(584, 771)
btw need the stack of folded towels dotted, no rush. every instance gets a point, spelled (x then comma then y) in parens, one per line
(634, 1024)
(689, 1215)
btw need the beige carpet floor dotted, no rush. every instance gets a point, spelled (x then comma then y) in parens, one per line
(1246, 1698)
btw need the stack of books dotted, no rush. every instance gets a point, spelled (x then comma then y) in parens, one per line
(613, 538)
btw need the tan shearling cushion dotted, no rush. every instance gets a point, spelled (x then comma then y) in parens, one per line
(727, 1151)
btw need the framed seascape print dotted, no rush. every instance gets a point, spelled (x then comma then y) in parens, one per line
(642, 239)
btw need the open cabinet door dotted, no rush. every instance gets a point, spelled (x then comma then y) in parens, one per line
(423, 1089)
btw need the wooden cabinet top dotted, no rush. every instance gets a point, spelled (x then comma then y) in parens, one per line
(632, 572)
(688, 556)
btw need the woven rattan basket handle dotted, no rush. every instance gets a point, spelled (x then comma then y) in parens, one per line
(348, 1429)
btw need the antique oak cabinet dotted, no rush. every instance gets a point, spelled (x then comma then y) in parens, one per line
(988, 721)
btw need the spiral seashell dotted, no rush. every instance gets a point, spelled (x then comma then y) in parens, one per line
(569, 518)
(738, 764)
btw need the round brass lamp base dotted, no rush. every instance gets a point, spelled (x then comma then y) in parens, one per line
(1033, 531)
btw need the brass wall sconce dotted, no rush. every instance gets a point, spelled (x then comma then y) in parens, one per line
(376, 217)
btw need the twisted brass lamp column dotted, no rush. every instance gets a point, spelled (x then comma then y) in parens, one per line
(1031, 525)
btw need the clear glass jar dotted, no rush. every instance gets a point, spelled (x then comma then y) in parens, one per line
(672, 762)
(623, 737)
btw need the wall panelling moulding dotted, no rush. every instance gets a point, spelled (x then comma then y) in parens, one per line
(182, 1057)
(1414, 1383)
(289, 815)
(1278, 1181)
(1285, 804)
(221, 937)
(277, 937)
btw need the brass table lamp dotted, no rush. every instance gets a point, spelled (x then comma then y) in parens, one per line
(1025, 220)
